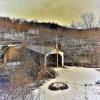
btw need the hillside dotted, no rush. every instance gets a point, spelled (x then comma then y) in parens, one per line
(7, 24)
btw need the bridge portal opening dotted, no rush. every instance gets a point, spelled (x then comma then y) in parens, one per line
(52, 60)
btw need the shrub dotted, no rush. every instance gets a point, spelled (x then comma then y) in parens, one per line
(46, 73)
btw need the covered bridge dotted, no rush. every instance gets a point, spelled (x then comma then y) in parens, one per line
(50, 55)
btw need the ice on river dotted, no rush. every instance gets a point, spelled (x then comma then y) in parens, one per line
(76, 78)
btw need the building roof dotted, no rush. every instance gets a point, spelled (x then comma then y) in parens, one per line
(43, 49)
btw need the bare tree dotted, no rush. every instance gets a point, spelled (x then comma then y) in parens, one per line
(88, 19)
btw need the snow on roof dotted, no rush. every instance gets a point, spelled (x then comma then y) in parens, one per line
(42, 49)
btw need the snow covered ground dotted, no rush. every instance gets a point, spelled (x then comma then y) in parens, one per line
(76, 78)
(81, 83)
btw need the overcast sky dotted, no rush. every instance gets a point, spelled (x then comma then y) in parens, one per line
(60, 11)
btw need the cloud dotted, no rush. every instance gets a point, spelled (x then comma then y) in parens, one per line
(62, 11)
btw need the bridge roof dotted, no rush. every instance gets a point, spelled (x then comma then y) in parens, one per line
(41, 49)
